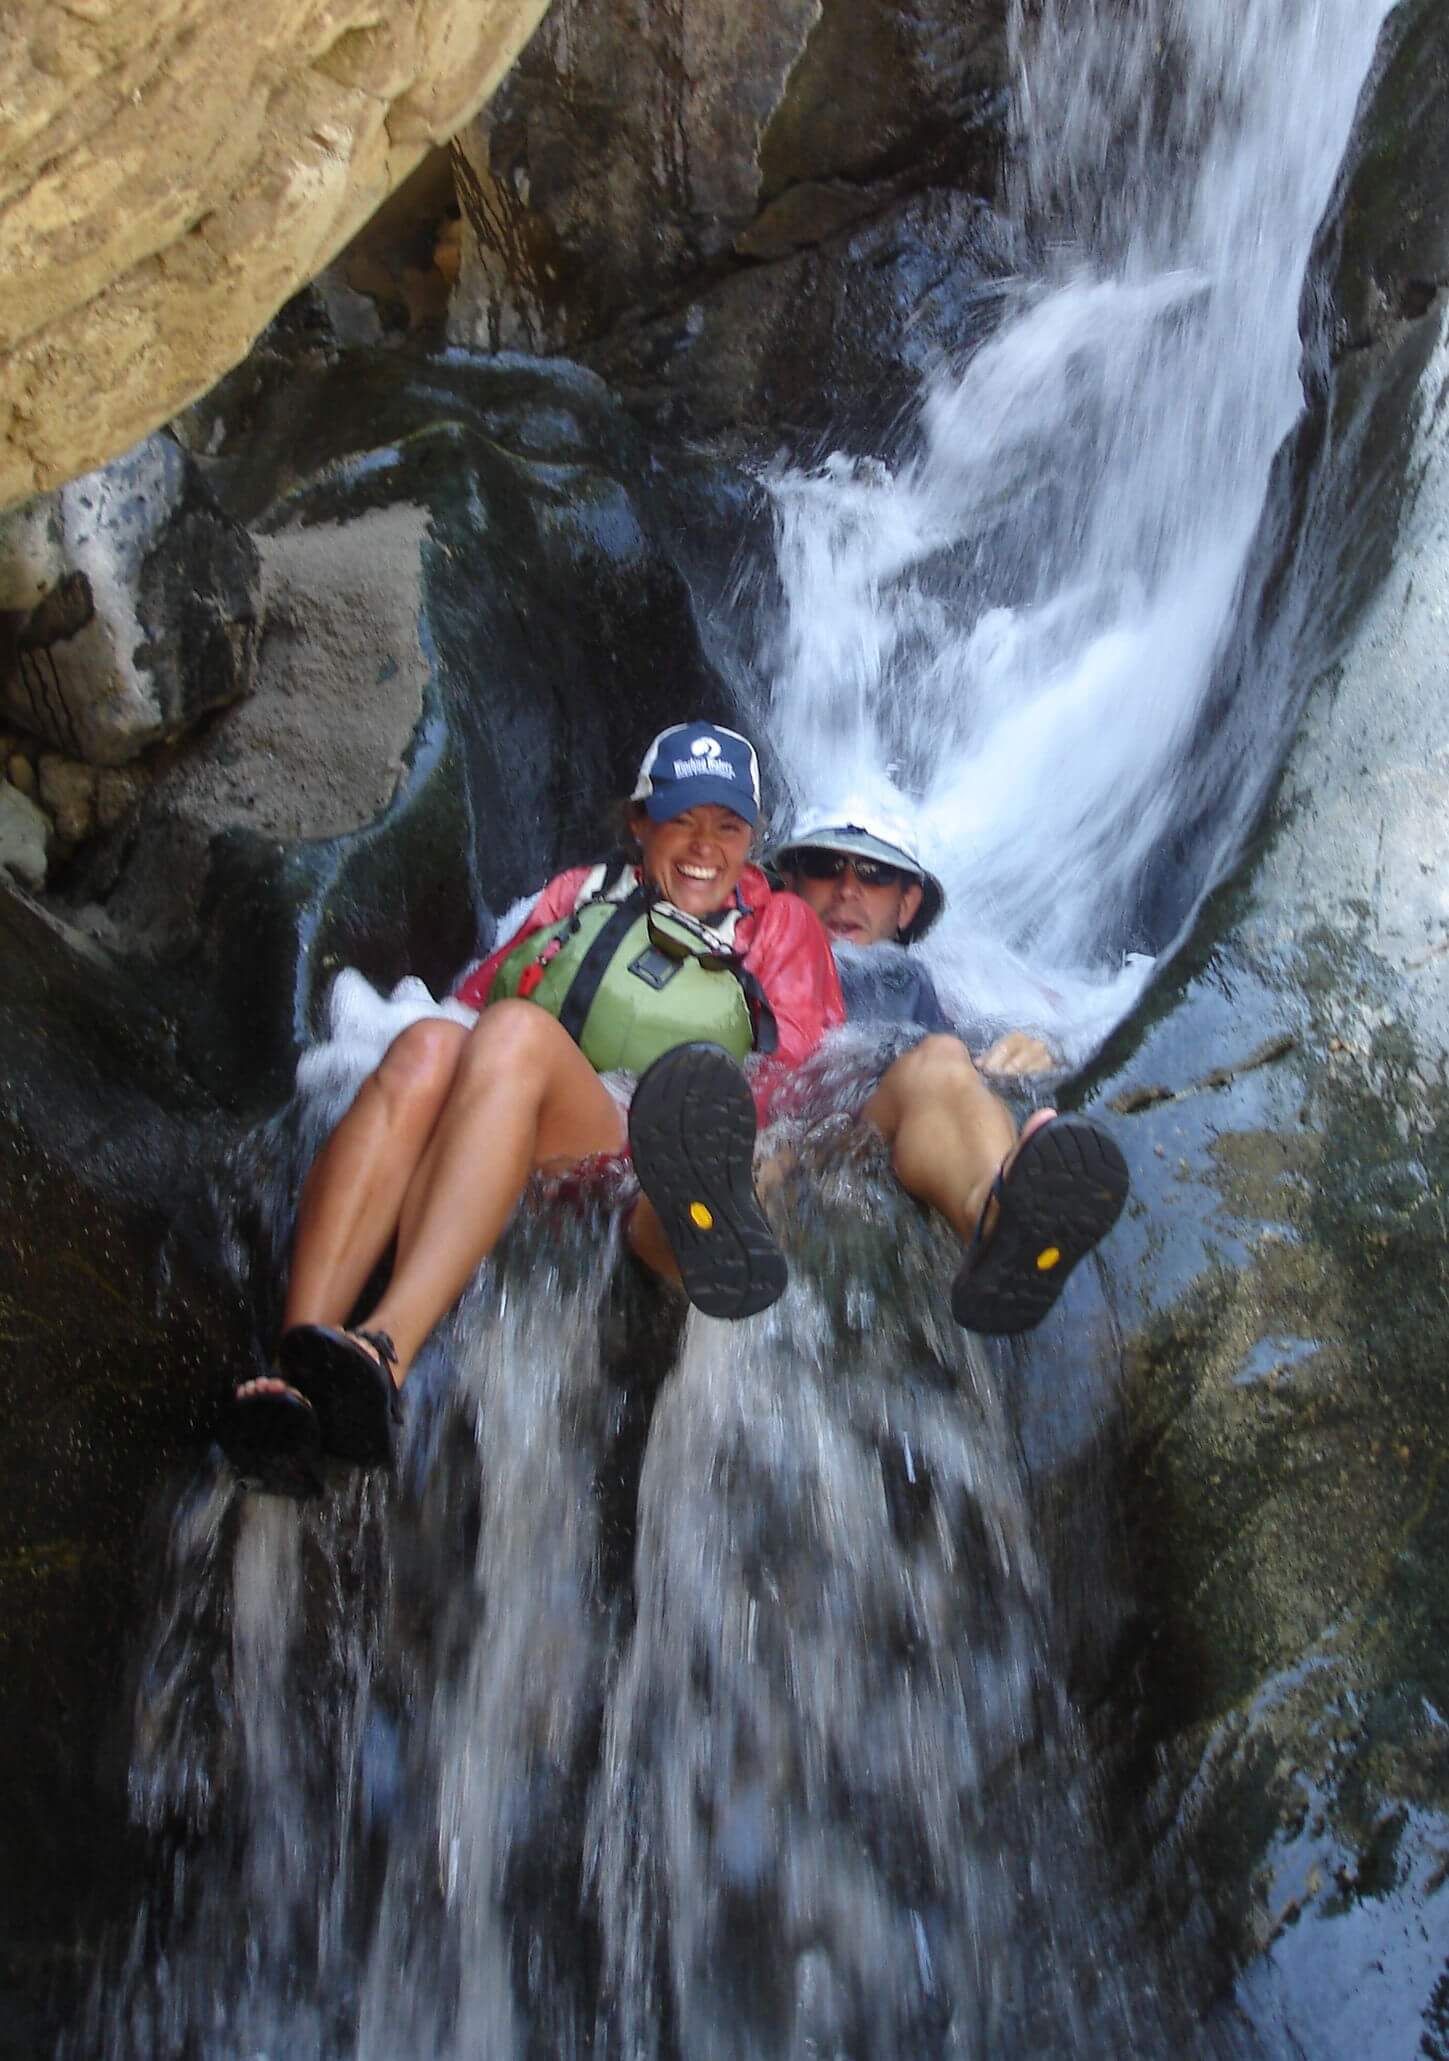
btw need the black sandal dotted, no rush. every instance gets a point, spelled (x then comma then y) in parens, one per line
(274, 1441)
(692, 1134)
(352, 1390)
(1058, 1198)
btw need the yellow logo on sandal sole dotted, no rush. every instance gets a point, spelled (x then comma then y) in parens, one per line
(700, 1217)
(1048, 1258)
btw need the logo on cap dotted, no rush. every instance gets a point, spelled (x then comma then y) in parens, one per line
(705, 757)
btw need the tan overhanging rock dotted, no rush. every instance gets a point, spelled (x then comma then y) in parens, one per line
(171, 171)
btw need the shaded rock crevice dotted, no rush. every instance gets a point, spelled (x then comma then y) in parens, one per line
(660, 276)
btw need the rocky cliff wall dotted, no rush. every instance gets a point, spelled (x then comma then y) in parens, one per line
(170, 175)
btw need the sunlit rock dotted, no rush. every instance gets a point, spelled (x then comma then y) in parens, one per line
(170, 175)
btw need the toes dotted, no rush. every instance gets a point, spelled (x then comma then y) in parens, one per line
(1037, 1121)
(265, 1384)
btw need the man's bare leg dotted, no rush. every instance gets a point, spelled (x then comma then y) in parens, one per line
(949, 1134)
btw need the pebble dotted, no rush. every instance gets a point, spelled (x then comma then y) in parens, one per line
(68, 790)
(118, 788)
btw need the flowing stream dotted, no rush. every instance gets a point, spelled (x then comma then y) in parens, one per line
(714, 1694)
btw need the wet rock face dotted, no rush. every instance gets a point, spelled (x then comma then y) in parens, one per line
(143, 608)
(1396, 237)
(1282, 1258)
(469, 598)
(630, 197)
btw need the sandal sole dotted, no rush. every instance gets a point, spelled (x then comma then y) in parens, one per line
(354, 1396)
(275, 1444)
(1061, 1198)
(692, 1134)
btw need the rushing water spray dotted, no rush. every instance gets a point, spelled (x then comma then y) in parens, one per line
(1021, 629)
(444, 1769)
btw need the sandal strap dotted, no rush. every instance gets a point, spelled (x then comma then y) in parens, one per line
(382, 1343)
(995, 1193)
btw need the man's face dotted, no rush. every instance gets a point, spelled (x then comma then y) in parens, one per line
(855, 910)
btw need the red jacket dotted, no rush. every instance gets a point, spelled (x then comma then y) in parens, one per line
(784, 947)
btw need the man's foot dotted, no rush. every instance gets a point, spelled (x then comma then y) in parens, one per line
(270, 1434)
(347, 1378)
(692, 1133)
(1056, 1197)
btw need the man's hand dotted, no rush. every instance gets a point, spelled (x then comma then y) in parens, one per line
(1018, 1052)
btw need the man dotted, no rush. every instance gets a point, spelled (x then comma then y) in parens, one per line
(1026, 1208)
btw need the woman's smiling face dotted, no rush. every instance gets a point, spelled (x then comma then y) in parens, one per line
(696, 858)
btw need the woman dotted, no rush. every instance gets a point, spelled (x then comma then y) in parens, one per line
(668, 961)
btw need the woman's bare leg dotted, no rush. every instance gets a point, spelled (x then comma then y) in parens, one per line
(436, 1149)
(522, 1096)
(353, 1196)
(947, 1131)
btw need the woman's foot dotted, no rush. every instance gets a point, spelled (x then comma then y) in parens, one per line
(347, 1377)
(1057, 1196)
(270, 1434)
(692, 1134)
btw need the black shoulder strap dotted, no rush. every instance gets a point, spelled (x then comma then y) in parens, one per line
(576, 1004)
(762, 1016)
(616, 866)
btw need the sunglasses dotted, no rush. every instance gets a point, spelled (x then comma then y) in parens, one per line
(816, 864)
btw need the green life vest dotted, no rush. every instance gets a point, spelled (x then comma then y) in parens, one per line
(630, 978)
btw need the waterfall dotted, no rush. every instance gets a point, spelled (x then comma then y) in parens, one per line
(435, 1769)
(738, 1721)
(1020, 634)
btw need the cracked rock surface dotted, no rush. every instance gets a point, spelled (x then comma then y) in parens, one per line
(171, 173)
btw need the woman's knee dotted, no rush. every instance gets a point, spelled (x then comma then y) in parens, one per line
(421, 1061)
(518, 1037)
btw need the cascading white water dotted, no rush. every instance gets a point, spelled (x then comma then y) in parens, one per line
(843, 1807)
(1016, 634)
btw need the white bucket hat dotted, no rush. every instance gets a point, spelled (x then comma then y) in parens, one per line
(865, 833)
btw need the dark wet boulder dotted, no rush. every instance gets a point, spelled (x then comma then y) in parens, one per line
(772, 257)
(483, 593)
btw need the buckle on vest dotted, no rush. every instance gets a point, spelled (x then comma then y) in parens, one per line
(655, 968)
(530, 977)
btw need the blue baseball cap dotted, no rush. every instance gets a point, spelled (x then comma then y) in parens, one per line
(699, 762)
